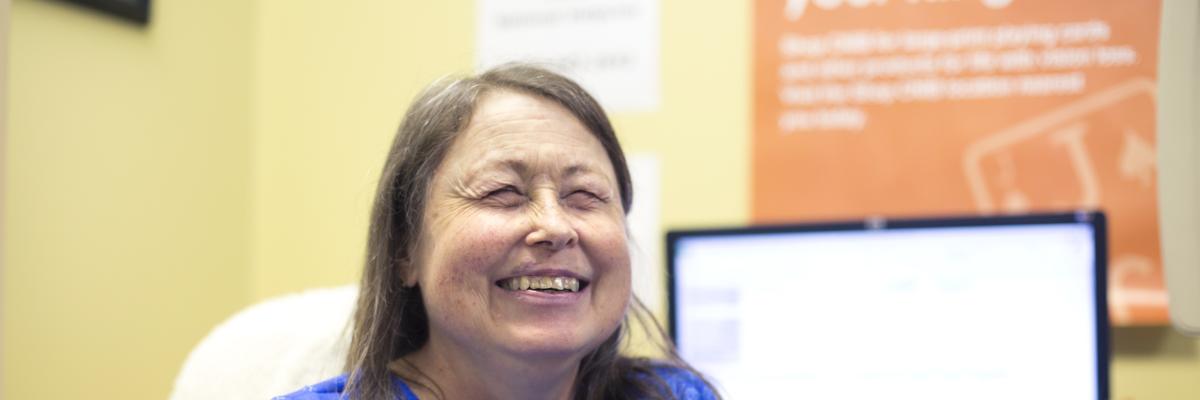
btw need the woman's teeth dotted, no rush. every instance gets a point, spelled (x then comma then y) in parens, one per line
(561, 283)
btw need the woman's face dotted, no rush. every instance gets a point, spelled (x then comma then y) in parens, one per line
(523, 248)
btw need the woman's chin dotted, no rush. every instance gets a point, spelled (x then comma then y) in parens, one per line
(543, 343)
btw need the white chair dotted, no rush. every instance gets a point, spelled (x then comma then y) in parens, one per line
(271, 348)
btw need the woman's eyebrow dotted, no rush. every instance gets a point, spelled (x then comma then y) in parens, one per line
(521, 167)
(486, 166)
(577, 169)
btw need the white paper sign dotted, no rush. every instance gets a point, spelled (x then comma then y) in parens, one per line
(608, 46)
(646, 228)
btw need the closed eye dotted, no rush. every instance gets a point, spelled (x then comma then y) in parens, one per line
(506, 196)
(505, 189)
(584, 199)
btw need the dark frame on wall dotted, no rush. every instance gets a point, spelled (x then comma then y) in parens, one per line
(137, 11)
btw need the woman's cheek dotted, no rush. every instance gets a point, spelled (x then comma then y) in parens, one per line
(483, 239)
(608, 237)
(607, 248)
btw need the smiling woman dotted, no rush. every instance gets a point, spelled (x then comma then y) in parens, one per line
(497, 260)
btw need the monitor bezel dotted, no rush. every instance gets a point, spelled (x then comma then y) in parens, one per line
(1095, 219)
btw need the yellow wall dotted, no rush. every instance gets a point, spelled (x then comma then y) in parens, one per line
(4, 7)
(127, 194)
(222, 166)
(334, 78)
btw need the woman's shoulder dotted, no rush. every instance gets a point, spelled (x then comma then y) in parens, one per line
(326, 390)
(333, 388)
(684, 383)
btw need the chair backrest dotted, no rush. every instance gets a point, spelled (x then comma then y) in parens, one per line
(271, 348)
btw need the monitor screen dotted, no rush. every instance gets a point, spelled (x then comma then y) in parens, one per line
(953, 308)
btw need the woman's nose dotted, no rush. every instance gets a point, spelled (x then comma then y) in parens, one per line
(551, 228)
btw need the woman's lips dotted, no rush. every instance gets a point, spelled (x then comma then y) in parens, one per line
(543, 280)
(545, 287)
(546, 283)
(545, 298)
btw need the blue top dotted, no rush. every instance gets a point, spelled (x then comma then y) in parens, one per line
(332, 390)
(684, 385)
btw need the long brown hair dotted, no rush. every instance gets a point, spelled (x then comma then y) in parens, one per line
(390, 320)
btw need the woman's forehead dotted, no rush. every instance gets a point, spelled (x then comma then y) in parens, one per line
(502, 110)
(519, 131)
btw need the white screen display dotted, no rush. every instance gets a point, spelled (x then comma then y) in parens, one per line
(995, 312)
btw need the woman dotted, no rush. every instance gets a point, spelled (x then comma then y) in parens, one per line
(497, 260)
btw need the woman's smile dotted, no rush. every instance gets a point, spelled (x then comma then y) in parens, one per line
(543, 283)
(545, 288)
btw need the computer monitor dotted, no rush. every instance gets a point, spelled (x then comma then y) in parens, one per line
(946, 308)
(1179, 159)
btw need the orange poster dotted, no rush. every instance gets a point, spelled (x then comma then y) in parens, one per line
(933, 107)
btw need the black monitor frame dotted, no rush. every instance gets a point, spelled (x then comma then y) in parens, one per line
(1095, 218)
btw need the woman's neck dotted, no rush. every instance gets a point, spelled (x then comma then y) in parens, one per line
(461, 373)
